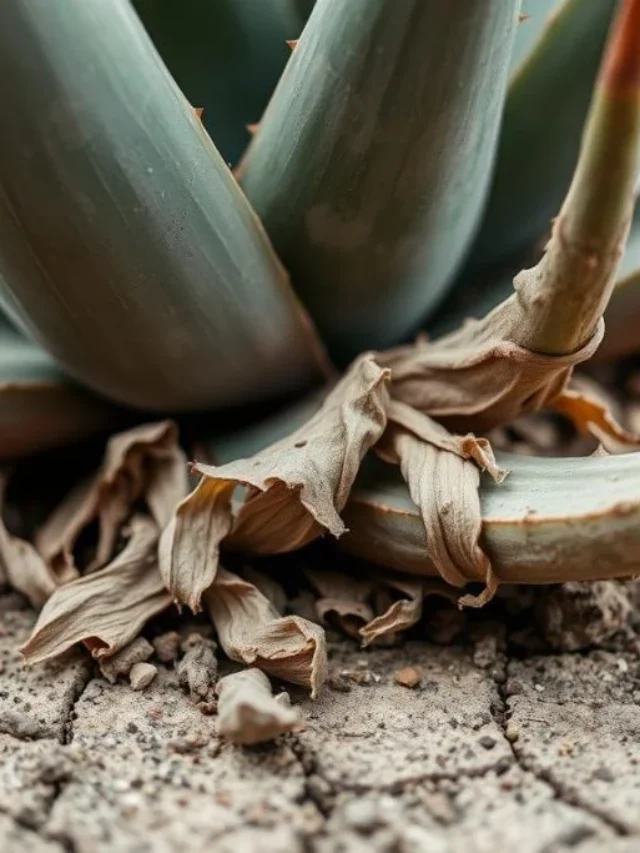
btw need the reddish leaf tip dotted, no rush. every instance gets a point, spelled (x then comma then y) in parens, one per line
(621, 67)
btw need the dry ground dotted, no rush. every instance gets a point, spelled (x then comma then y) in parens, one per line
(501, 747)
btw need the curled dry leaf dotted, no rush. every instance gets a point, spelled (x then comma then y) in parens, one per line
(442, 471)
(481, 377)
(592, 416)
(400, 615)
(107, 608)
(21, 565)
(251, 631)
(344, 599)
(141, 464)
(248, 713)
(294, 490)
(405, 612)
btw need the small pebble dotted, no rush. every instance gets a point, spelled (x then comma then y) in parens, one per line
(408, 676)
(487, 742)
(512, 733)
(120, 664)
(141, 675)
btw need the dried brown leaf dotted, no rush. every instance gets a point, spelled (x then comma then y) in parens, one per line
(592, 416)
(443, 475)
(401, 614)
(21, 566)
(143, 463)
(480, 377)
(107, 608)
(189, 549)
(294, 490)
(343, 599)
(248, 713)
(251, 631)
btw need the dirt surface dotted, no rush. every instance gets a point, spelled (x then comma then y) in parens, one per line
(503, 744)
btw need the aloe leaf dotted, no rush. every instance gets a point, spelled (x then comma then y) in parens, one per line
(370, 166)
(544, 114)
(226, 56)
(552, 520)
(40, 408)
(534, 18)
(127, 249)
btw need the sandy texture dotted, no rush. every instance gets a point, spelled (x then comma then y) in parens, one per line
(497, 748)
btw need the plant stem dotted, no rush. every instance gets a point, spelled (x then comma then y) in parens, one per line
(570, 288)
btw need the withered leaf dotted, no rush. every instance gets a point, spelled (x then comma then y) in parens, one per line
(143, 463)
(251, 631)
(107, 608)
(21, 566)
(480, 376)
(593, 416)
(294, 490)
(343, 599)
(442, 472)
(405, 612)
(400, 616)
(189, 549)
(248, 713)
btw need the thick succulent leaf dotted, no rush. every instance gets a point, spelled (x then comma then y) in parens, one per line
(552, 520)
(127, 248)
(544, 115)
(226, 56)
(370, 166)
(40, 408)
(534, 17)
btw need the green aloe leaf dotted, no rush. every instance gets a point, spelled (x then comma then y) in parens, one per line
(226, 56)
(544, 114)
(534, 18)
(370, 166)
(39, 407)
(126, 248)
(552, 520)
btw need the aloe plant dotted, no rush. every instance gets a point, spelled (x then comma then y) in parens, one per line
(406, 155)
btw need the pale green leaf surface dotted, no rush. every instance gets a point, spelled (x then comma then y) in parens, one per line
(127, 249)
(370, 166)
(544, 114)
(226, 56)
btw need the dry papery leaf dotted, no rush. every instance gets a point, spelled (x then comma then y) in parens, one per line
(443, 474)
(248, 713)
(21, 566)
(251, 631)
(377, 607)
(591, 415)
(142, 464)
(405, 612)
(480, 377)
(293, 491)
(343, 599)
(107, 608)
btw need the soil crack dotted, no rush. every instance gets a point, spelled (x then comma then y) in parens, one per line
(501, 711)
